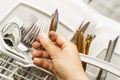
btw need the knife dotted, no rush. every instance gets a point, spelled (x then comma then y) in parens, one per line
(54, 21)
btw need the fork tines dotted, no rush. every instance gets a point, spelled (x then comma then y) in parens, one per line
(32, 31)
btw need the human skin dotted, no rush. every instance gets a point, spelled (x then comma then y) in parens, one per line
(58, 55)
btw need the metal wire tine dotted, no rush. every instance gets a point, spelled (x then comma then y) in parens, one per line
(84, 27)
(22, 29)
(25, 27)
(40, 26)
(33, 37)
(28, 23)
(39, 23)
(54, 21)
(35, 31)
(46, 77)
(42, 29)
(43, 26)
(30, 33)
(37, 26)
(109, 53)
(28, 27)
(27, 31)
(17, 20)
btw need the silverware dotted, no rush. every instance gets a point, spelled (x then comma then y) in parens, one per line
(22, 60)
(18, 58)
(102, 74)
(17, 20)
(40, 24)
(11, 32)
(83, 27)
(27, 33)
(30, 33)
(54, 21)
(26, 28)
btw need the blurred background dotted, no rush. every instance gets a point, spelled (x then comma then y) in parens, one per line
(109, 8)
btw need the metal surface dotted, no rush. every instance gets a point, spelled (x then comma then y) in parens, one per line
(83, 27)
(30, 33)
(102, 74)
(54, 21)
(101, 64)
(14, 63)
(12, 31)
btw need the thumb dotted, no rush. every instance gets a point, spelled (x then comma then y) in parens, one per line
(48, 44)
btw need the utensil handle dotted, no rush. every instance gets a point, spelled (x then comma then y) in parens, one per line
(101, 64)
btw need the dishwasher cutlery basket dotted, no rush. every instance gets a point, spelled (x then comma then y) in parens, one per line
(17, 65)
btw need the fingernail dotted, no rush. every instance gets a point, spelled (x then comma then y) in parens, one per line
(43, 36)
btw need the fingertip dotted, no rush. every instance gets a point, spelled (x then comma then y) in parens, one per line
(36, 45)
(37, 54)
(51, 33)
(53, 37)
(37, 61)
(43, 63)
(43, 36)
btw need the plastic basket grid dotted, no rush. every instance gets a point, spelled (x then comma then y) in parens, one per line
(9, 70)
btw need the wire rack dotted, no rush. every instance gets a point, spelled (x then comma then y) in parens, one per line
(9, 70)
(13, 66)
(12, 69)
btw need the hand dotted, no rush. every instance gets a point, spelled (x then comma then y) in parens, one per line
(64, 60)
